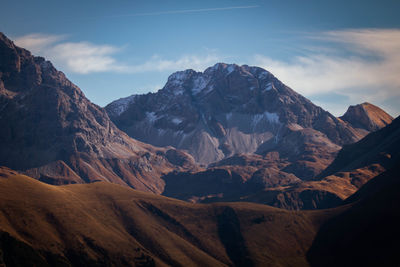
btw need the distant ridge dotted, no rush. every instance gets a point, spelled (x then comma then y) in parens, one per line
(367, 117)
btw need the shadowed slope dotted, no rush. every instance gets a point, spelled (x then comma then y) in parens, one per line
(109, 224)
(381, 147)
(366, 234)
(355, 165)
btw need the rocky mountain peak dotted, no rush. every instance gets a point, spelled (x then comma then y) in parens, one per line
(50, 129)
(5, 42)
(224, 110)
(21, 72)
(178, 81)
(367, 116)
(226, 69)
(180, 76)
(222, 68)
(221, 75)
(119, 106)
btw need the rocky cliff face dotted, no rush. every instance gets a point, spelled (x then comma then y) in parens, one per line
(249, 128)
(226, 109)
(51, 130)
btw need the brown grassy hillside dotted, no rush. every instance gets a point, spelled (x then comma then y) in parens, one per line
(366, 234)
(103, 224)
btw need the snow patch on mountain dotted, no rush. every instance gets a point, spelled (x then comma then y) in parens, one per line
(263, 75)
(177, 78)
(228, 116)
(176, 121)
(176, 81)
(230, 69)
(268, 87)
(226, 68)
(119, 106)
(266, 116)
(199, 84)
(161, 132)
(151, 117)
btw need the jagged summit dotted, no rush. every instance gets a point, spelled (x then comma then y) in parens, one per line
(192, 82)
(120, 105)
(227, 69)
(223, 68)
(226, 109)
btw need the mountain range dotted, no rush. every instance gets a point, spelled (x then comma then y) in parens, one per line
(249, 130)
(71, 187)
(230, 109)
(227, 133)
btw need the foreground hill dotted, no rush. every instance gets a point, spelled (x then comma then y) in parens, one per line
(53, 132)
(102, 224)
(378, 148)
(367, 233)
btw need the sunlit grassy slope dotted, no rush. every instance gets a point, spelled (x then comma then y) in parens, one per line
(103, 223)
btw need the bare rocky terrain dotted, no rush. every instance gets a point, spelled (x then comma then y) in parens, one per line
(226, 110)
(255, 179)
(255, 134)
(257, 139)
(53, 132)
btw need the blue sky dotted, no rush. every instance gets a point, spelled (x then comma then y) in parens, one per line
(336, 53)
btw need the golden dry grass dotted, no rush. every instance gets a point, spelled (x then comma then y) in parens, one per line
(108, 223)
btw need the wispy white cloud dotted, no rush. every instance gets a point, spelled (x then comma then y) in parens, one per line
(367, 71)
(36, 42)
(361, 65)
(86, 57)
(78, 57)
(157, 63)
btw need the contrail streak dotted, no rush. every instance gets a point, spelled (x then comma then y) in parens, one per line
(183, 11)
(167, 12)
